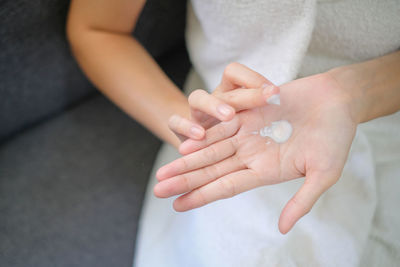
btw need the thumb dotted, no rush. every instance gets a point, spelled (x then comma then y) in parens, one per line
(301, 203)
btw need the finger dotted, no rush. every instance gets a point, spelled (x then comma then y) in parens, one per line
(211, 105)
(198, 159)
(216, 133)
(184, 127)
(241, 99)
(237, 75)
(203, 119)
(302, 202)
(224, 187)
(187, 182)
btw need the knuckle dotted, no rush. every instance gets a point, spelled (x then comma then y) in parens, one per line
(210, 153)
(184, 164)
(324, 180)
(230, 68)
(211, 171)
(231, 98)
(334, 180)
(218, 93)
(186, 183)
(220, 131)
(326, 183)
(195, 95)
(201, 197)
(173, 121)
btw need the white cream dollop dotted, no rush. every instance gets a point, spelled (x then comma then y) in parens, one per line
(274, 99)
(279, 131)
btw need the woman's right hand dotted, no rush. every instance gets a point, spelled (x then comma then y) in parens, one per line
(236, 157)
(240, 88)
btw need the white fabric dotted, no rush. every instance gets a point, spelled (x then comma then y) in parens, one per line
(272, 36)
(356, 222)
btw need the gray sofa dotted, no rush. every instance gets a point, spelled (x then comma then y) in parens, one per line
(73, 167)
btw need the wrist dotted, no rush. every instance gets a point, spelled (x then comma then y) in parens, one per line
(373, 86)
(350, 82)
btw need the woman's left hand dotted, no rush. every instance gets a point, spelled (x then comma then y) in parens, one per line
(240, 88)
(232, 159)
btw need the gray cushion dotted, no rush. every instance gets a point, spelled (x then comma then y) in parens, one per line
(71, 189)
(39, 78)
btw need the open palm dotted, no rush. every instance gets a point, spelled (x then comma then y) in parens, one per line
(232, 159)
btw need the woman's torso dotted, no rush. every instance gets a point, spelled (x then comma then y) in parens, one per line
(285, 39)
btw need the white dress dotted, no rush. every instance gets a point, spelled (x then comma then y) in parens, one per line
(356, 222)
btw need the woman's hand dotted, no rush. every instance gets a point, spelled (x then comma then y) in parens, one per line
(232, 159)
(240, 88)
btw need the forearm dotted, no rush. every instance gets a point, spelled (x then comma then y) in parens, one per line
(373, 86)
(123, 70)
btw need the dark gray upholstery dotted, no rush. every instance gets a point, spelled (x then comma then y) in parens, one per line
(73, 167)
(39, 78)
(71, 189)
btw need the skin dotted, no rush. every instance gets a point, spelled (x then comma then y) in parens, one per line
(99, 32)
(241, 88)
(100, 36)
(234, 160)
(324, 111)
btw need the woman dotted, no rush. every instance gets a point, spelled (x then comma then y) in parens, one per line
(281, 40)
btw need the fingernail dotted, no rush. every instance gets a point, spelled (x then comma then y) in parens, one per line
(196, 131)
(274, 99)
(224, 110)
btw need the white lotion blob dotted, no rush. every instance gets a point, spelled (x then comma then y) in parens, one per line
(279, 131)
(274, 99)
